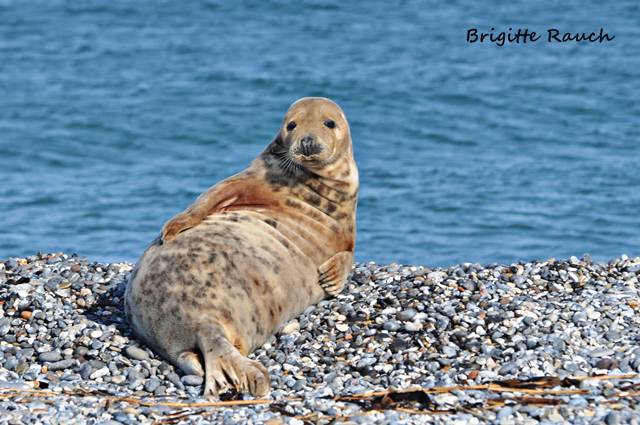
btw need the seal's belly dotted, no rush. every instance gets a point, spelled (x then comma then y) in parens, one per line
(234, 270)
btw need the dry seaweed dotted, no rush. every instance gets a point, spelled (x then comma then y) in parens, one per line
(540, 391)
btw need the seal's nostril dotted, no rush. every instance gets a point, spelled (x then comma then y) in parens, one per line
(307, 146)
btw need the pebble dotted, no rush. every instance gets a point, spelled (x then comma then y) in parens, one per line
(136, 353)
(612, 418)
(607, 363)
(601, 352)
(449, 351)
(99, 373)
(23, 290)
(192, 380)
(62, 364)
(509, 368)
(407, 314)
(413, 327)
(50, 356)
(118, 379)
(342, 327)
(504, 413)
(151, 385)
(291, 327)
(393, 326)
(174, 378)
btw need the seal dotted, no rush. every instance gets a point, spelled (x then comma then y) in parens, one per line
(251, 253)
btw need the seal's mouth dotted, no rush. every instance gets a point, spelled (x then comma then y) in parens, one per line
(307, 149)
(305, 159)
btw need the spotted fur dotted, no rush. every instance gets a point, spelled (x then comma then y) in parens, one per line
(251, 253)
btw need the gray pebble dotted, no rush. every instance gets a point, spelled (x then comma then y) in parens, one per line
(136, 353)
(532, 342)
(161, 390)
(175, 379)
(510, 368)
(192, 380)
(612, 418)
(80, 351)
(407, 314)
(391, 326)
(121, 417)
(85, 371)
(11, 363)
(50, 356)
(613, 335)
(504, 413)
(601, 352)
(449, 351)
(558, 344)
(151, 385)
(62, 364)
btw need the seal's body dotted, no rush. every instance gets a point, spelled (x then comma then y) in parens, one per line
(251, 253)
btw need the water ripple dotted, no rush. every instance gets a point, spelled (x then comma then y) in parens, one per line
(115, 116)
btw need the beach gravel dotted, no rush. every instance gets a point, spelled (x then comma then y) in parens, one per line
(68, 356)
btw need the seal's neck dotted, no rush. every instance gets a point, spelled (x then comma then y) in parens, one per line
(341, 175)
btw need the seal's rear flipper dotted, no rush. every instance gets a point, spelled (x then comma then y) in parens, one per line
(225, 368)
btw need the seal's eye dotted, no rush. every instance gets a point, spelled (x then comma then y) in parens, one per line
(330, 123)
(291, 125)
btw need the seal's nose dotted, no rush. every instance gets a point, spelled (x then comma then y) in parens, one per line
(308, 146)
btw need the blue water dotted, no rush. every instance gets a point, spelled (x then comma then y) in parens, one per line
(115, 115)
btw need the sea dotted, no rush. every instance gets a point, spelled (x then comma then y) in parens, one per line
(115, 115)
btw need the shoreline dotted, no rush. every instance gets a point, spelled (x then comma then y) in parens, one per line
(62, 329)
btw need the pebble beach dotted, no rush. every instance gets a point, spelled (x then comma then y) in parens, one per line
(547, 341)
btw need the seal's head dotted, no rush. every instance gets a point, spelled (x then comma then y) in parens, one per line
(315, 132)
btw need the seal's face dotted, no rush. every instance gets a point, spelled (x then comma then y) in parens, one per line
(315, 132)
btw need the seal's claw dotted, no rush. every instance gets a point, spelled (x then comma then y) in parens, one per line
(256, 378)
(333, 272)
(215, 382)
(226, 368)
(190, 364)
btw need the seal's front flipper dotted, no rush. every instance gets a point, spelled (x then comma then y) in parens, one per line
(333, 272)
(225, 368)
(192, 216)
(240, 191)
(177, 224)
